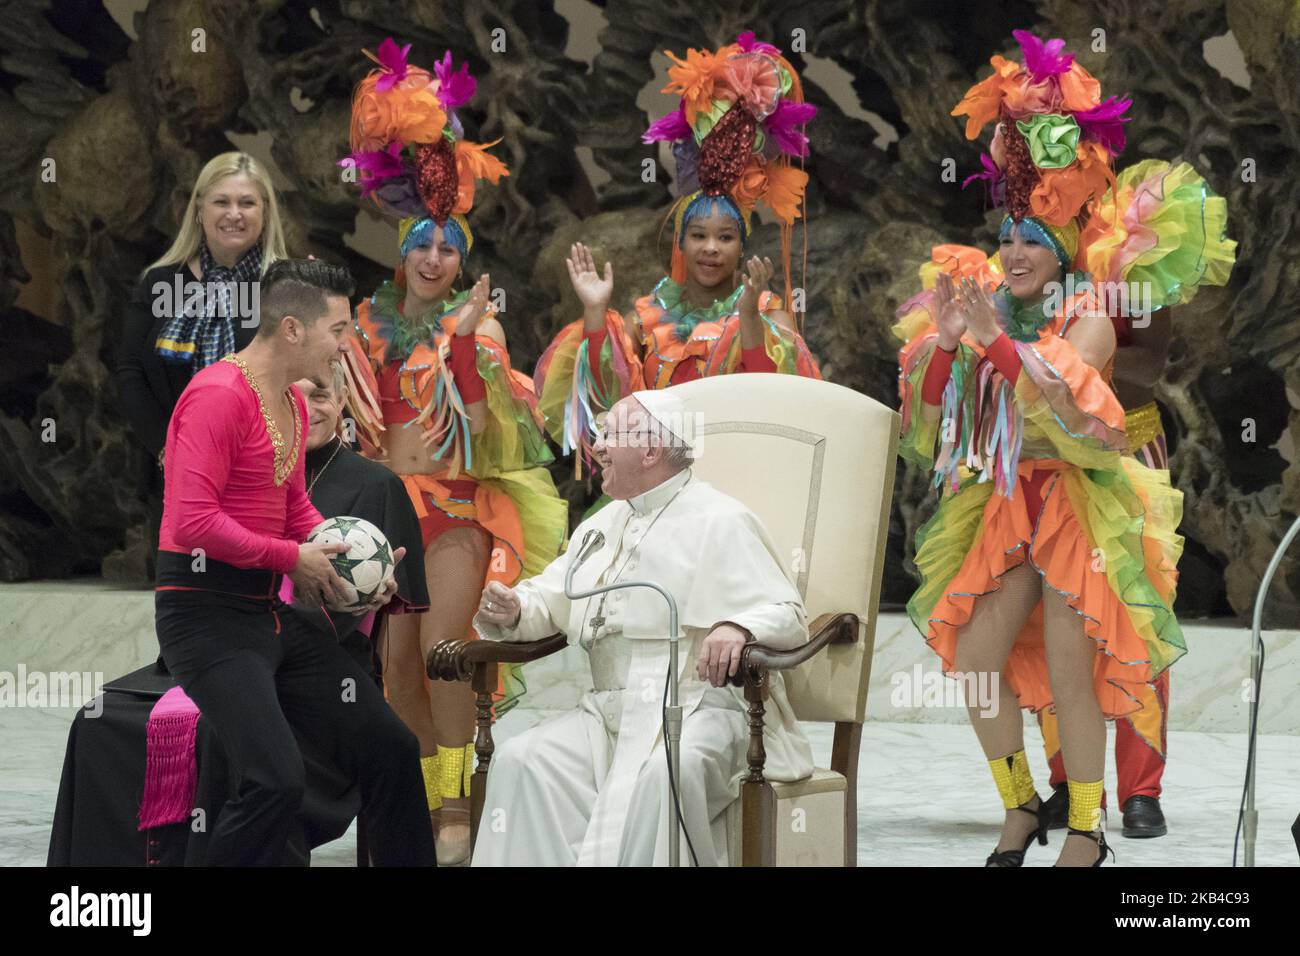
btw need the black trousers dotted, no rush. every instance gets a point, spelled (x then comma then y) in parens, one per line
(258, 672)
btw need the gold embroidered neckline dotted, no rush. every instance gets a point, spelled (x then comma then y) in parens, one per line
(284, 464)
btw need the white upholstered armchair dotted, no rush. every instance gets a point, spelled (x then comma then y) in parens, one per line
(815, 461)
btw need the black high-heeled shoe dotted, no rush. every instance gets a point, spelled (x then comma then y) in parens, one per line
(1097, 837)
(1014, 858)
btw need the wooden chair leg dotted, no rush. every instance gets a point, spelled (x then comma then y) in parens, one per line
(844, 761)
(484, 683)
(757, 801)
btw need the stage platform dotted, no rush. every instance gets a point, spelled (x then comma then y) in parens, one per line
(924, 793)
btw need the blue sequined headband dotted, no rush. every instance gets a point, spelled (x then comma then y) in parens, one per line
(703, 206)
(421, 235)
(1035, 231)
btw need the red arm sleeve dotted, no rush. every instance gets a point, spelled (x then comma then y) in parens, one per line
(936, 375)
(756, 360)
(464, 369)
(1002, 353)
(206, 432)
(1123, 330)
(595, 342)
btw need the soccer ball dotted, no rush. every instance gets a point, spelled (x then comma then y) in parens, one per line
(367, 564)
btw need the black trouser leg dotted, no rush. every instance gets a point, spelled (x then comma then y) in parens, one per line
(225, 657)
(330, 700)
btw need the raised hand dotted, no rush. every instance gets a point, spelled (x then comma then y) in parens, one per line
(758, 273)
(981, 314)
(592, 289)
(475, 309)
(952, 316)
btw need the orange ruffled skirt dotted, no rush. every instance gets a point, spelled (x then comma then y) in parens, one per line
(1092, 541)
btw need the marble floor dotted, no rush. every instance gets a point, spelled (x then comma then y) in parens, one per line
(924, 795)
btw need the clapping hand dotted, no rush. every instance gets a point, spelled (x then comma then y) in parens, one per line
(475, 309)
(758, 273)
(952, 317)
(981, 314)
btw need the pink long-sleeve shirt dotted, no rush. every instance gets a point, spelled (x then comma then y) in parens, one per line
(220, 492)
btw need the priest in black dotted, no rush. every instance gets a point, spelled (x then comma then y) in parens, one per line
(342, 482)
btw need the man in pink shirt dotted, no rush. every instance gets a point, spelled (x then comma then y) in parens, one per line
(235, 513)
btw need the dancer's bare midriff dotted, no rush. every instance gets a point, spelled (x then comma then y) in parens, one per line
(406, 453)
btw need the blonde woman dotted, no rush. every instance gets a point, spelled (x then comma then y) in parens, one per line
(197, 302)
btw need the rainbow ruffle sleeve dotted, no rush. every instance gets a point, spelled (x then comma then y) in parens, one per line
(570, 397)
(1163, 232)
(512, 438)
(917, 330)
(785, 347)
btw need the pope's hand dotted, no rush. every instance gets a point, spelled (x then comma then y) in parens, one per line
(499, 604)
(720, 654)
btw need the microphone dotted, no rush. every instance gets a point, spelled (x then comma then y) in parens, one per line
(592, 542)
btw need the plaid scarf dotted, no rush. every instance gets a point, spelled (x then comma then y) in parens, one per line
(203, 330)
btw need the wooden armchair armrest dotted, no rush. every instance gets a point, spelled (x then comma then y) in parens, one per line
(455, 660)
(477, 661)
(827, 629)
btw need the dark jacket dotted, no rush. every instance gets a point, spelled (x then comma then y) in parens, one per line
(148, 387)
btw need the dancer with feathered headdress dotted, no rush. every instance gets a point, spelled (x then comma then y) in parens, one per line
(433, 394)
(736, 136)
(1050, 565)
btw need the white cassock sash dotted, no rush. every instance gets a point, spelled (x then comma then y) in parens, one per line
(640, 728)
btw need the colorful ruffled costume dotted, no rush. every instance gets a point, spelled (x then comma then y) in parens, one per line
(1029, 448)
(515, 498)
(415, 164)
(733, 137)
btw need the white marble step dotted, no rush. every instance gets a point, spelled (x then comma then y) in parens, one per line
(90, 627)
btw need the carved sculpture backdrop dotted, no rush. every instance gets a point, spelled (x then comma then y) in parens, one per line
(129, 123)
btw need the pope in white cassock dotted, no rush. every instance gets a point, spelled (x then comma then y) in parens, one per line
(591, 787)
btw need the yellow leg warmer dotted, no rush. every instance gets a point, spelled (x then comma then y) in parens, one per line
(457, 767)
(430, 767)
(1085, 805)
(1011, 774)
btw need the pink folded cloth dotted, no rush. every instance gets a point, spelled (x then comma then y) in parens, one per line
(170, 770)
